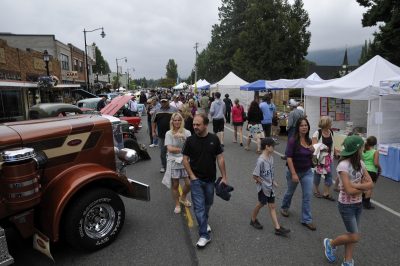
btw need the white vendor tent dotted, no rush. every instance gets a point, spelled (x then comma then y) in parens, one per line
(180, 86)
(361, 87)
(230, 84)
(201, 84)
(314, 76)
(361, 84)
(300, 83)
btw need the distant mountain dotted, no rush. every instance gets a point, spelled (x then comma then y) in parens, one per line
(334, 57)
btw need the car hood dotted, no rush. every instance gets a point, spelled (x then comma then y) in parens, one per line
(116, 104)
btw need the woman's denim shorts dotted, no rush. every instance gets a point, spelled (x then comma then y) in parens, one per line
(351, 216)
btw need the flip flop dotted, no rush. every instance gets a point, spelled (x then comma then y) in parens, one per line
(328, 197)
(317, 195)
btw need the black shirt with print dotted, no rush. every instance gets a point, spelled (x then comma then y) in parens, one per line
(202, 152)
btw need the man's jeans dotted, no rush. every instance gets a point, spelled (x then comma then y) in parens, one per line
(163, 152)
(306, 182)
(202, 198)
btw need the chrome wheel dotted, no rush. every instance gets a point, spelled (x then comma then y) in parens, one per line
(99, 221)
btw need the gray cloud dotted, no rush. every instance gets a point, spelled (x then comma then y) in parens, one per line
(153, 31)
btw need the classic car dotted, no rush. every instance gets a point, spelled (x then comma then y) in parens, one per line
(44, 110)
(116, 107)
(89, 103)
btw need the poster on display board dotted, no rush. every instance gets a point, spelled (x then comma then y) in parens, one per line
(324, 106)
(337, 109)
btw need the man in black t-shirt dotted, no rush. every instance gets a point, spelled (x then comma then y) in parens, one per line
(228, 108)
(160, 126)
(200, 154)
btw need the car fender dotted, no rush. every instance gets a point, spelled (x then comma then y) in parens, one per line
(64, 187)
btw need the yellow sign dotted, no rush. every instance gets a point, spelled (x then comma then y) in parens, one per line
(39, 64)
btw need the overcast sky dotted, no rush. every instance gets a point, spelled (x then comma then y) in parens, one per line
(149, 32)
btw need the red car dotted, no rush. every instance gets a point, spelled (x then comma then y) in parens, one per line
(114, 108)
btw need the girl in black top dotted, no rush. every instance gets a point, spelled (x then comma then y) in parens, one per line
(254, 127)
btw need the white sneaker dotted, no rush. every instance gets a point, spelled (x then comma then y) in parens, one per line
(208, 228)
(162, 170)
(152, 145)
(202, 242)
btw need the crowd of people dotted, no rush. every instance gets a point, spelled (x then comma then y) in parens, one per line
(188, 152)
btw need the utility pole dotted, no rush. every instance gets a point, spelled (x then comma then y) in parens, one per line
(195, 65)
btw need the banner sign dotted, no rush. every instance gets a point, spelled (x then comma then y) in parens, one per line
(388, 87)
(72, 74)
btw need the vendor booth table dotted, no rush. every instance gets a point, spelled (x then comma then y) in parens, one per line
(389, 160)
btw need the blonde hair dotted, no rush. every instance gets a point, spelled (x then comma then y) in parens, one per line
(185, 112)
(171, 126)
(325, 122)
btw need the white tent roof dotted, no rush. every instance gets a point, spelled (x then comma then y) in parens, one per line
(201, 84)
(314, 76)
(180, 86)
(300, 83)
(361, 84)
(230, 80)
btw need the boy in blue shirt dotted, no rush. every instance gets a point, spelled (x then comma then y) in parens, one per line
(263, 174)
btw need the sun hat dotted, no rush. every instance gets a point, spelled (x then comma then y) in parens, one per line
(268, 141)
(293, 103)
(351, 145)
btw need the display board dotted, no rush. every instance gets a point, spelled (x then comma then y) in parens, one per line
(337, 109)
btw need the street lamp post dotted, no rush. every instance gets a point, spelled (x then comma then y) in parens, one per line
(116, 60)
(46, 59)
(102, 34)
(127, 79)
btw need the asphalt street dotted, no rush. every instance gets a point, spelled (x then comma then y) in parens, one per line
(154, 235)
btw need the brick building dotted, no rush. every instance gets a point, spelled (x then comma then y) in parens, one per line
(20, 68)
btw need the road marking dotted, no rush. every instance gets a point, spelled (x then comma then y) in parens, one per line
(187, 210)
(386, 208)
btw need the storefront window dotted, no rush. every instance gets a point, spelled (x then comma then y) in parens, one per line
(11, 105)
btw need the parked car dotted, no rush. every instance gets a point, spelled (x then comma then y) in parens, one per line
(90, 103)
(110, 96)
(44, 110)
(116, 107)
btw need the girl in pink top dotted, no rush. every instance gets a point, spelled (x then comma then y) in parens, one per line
(353, 181)
(237, 121)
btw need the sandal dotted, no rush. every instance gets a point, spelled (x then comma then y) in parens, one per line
(185, 202)
(258, 152)
(247, 148)
(328, 197)
(317, 195)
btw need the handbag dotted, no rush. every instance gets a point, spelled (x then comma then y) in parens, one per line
(244, 115)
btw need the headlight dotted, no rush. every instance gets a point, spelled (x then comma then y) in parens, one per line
(128, 155)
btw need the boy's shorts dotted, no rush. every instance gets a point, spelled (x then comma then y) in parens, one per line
(218, 125)
(263, 199)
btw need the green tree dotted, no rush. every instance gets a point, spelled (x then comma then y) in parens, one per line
(167, 82)
(257, 39)
(172, 70)
(101, 64)
(386, 41)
